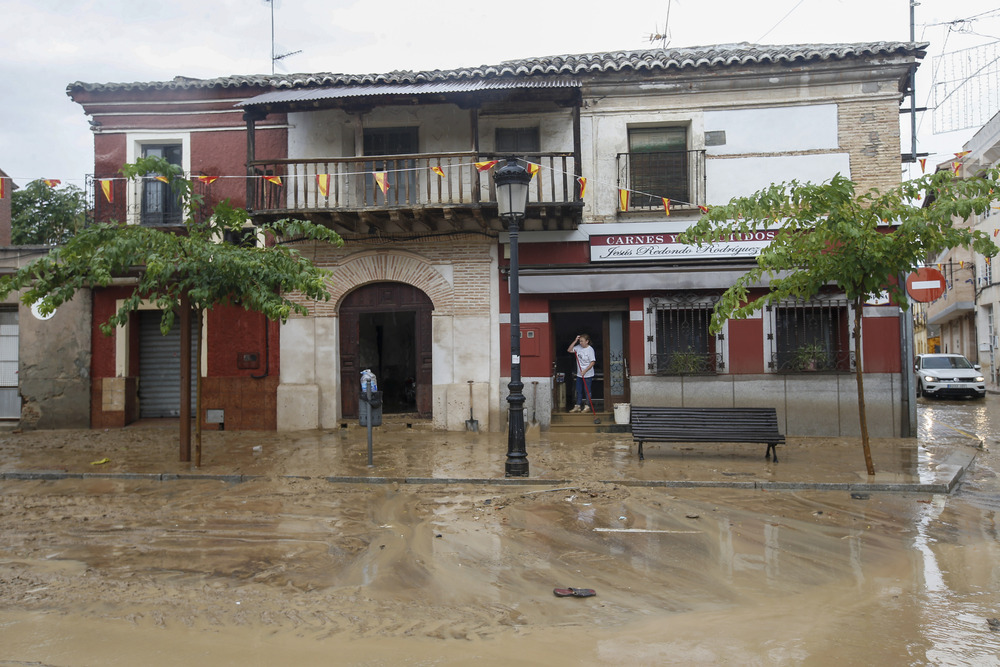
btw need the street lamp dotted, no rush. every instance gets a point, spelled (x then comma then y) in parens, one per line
(511, 182)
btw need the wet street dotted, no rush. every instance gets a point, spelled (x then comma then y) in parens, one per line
(283, 569)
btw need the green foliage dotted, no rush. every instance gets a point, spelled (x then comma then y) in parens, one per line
(42, 215)
(829, 234)
(167, 265)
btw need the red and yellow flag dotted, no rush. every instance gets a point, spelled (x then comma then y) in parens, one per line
(623, 199)
(962, 154)
(487, 165)
(107, 187)
(957, 166)
(703, 209)
(583, 186)
(666, 205)
(438, 170)
(382, 179)
(323, 183)
(533, 168)
(208, 180)
(51, 182)
(923, 165)
(162, 179)
(276, 180)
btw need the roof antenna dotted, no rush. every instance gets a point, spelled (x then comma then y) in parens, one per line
(275, 57)
(664, 37)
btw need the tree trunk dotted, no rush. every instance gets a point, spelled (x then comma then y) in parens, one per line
(197, 394)
(859, 374)
(185, 412)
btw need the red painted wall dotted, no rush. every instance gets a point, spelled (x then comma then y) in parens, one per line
(880, 343)
(746, 346)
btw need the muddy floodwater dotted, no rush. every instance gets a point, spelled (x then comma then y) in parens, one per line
(284, 569)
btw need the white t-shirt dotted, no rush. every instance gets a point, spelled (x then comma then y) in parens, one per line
(585, 355)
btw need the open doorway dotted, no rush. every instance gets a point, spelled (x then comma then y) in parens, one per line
(607, 324)
(566, 326)
(387, 347)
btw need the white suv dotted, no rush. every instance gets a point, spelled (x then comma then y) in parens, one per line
(949, 375)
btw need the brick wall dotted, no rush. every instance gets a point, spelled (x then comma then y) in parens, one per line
(869, 130)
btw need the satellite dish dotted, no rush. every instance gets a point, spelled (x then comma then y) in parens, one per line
(38, 314)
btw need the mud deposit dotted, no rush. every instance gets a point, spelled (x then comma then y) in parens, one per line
(279, 570)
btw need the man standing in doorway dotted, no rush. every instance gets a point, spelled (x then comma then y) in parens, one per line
(586, 359)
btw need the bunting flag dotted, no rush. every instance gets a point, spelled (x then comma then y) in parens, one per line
(486, 166)
(3, 191)
(323, 183)
(961, 264)
(962, 154)
(995, 231)
(381, 178)
(703, 209)
(623, 198)
(583, 185)
(162, 179)
(107, 187)
(51, 182)
(208, 180)
(276, 180)
(666, 205)
(438, 170)
(533, 169)
(923, 165)
(956, 166)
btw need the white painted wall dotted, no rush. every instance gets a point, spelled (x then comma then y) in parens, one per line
(738, 177)
(774, 129)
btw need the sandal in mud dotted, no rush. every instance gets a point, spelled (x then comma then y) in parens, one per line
(574, 592)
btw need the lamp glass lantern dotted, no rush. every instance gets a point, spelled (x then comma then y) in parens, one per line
(512, 190)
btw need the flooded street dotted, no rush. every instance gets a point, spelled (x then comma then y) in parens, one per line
(282, 569)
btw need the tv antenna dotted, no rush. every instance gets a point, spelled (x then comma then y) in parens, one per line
(275, 57)
(664, 37)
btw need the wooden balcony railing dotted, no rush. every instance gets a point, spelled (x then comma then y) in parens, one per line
(426, 180)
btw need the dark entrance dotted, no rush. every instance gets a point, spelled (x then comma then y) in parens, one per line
(386, 327)
(607, 325)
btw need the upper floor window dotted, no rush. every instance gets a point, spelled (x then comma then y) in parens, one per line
(518, 140)
(811, 336)
(389, 143)
(160, 205)
(658, 166)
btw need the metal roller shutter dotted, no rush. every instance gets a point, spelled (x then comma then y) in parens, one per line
(10, 398)
(160, 369)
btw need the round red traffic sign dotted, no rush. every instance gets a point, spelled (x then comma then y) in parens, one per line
(925, 284)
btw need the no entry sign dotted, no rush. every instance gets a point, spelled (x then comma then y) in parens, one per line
(925, 284)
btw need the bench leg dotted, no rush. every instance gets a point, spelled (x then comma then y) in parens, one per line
(771, 447)
(641, 457)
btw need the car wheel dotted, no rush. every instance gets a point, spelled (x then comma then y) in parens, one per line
(920, 389)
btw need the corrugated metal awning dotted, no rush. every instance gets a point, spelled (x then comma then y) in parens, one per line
(428, 88)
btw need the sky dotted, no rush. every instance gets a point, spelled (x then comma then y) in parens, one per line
(48, 44)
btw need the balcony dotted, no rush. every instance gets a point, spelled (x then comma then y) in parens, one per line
(651, 177)
(426, 191)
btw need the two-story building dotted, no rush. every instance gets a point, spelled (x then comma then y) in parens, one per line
(626, 149)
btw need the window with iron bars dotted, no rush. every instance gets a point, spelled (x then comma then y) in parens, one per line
(160, 204)
(811, 336)
(658, 166)
(680, 341)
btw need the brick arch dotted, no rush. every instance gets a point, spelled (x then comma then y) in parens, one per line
(373, 267)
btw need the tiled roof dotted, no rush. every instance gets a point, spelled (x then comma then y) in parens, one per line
(720, 55)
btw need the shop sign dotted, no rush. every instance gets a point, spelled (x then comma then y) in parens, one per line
(664, 246)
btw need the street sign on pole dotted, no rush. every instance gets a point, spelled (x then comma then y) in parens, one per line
(925, 284)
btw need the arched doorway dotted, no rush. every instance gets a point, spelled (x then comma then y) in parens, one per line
(387, 327)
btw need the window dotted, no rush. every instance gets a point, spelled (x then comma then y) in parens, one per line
(518, 140)
(811, 336)
(401, 175)
(658, 166)
(160, 206)
(682, 343)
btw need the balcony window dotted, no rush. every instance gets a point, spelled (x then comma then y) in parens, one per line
(401, 174)
(681, 341)
(518, 140)
(811, 336)
(160, 205)
(658, 166)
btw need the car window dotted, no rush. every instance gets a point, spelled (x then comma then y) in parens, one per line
(935, 362)
(959, 362)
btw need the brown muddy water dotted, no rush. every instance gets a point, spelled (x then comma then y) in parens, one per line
(307, 572)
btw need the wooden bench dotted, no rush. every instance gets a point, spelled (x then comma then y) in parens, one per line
(707, 425)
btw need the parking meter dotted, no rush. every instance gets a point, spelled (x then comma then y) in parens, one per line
(370, 403)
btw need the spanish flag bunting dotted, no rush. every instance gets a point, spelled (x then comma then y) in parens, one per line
(108, 189)
(623, 199)
(666, 205)
(533, 169)
(51, 182)
(381, 178)
(923, 165)
(704, 209)
(438, 170)
(995, 231)
(962, 154)
(961, 264)
(583, 185)
(208, 180)
(276, 180)
(162, 179)
(323, 183)
(486, 166)
(956, 166)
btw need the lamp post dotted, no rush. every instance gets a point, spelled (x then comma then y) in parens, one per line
(512, 198)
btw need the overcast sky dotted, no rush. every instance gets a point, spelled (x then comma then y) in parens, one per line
(48, 44)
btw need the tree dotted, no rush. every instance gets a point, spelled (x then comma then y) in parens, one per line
(181, 271)
(43, 215)
(861, 242)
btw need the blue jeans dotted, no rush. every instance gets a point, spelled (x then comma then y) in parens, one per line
(582, 395)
